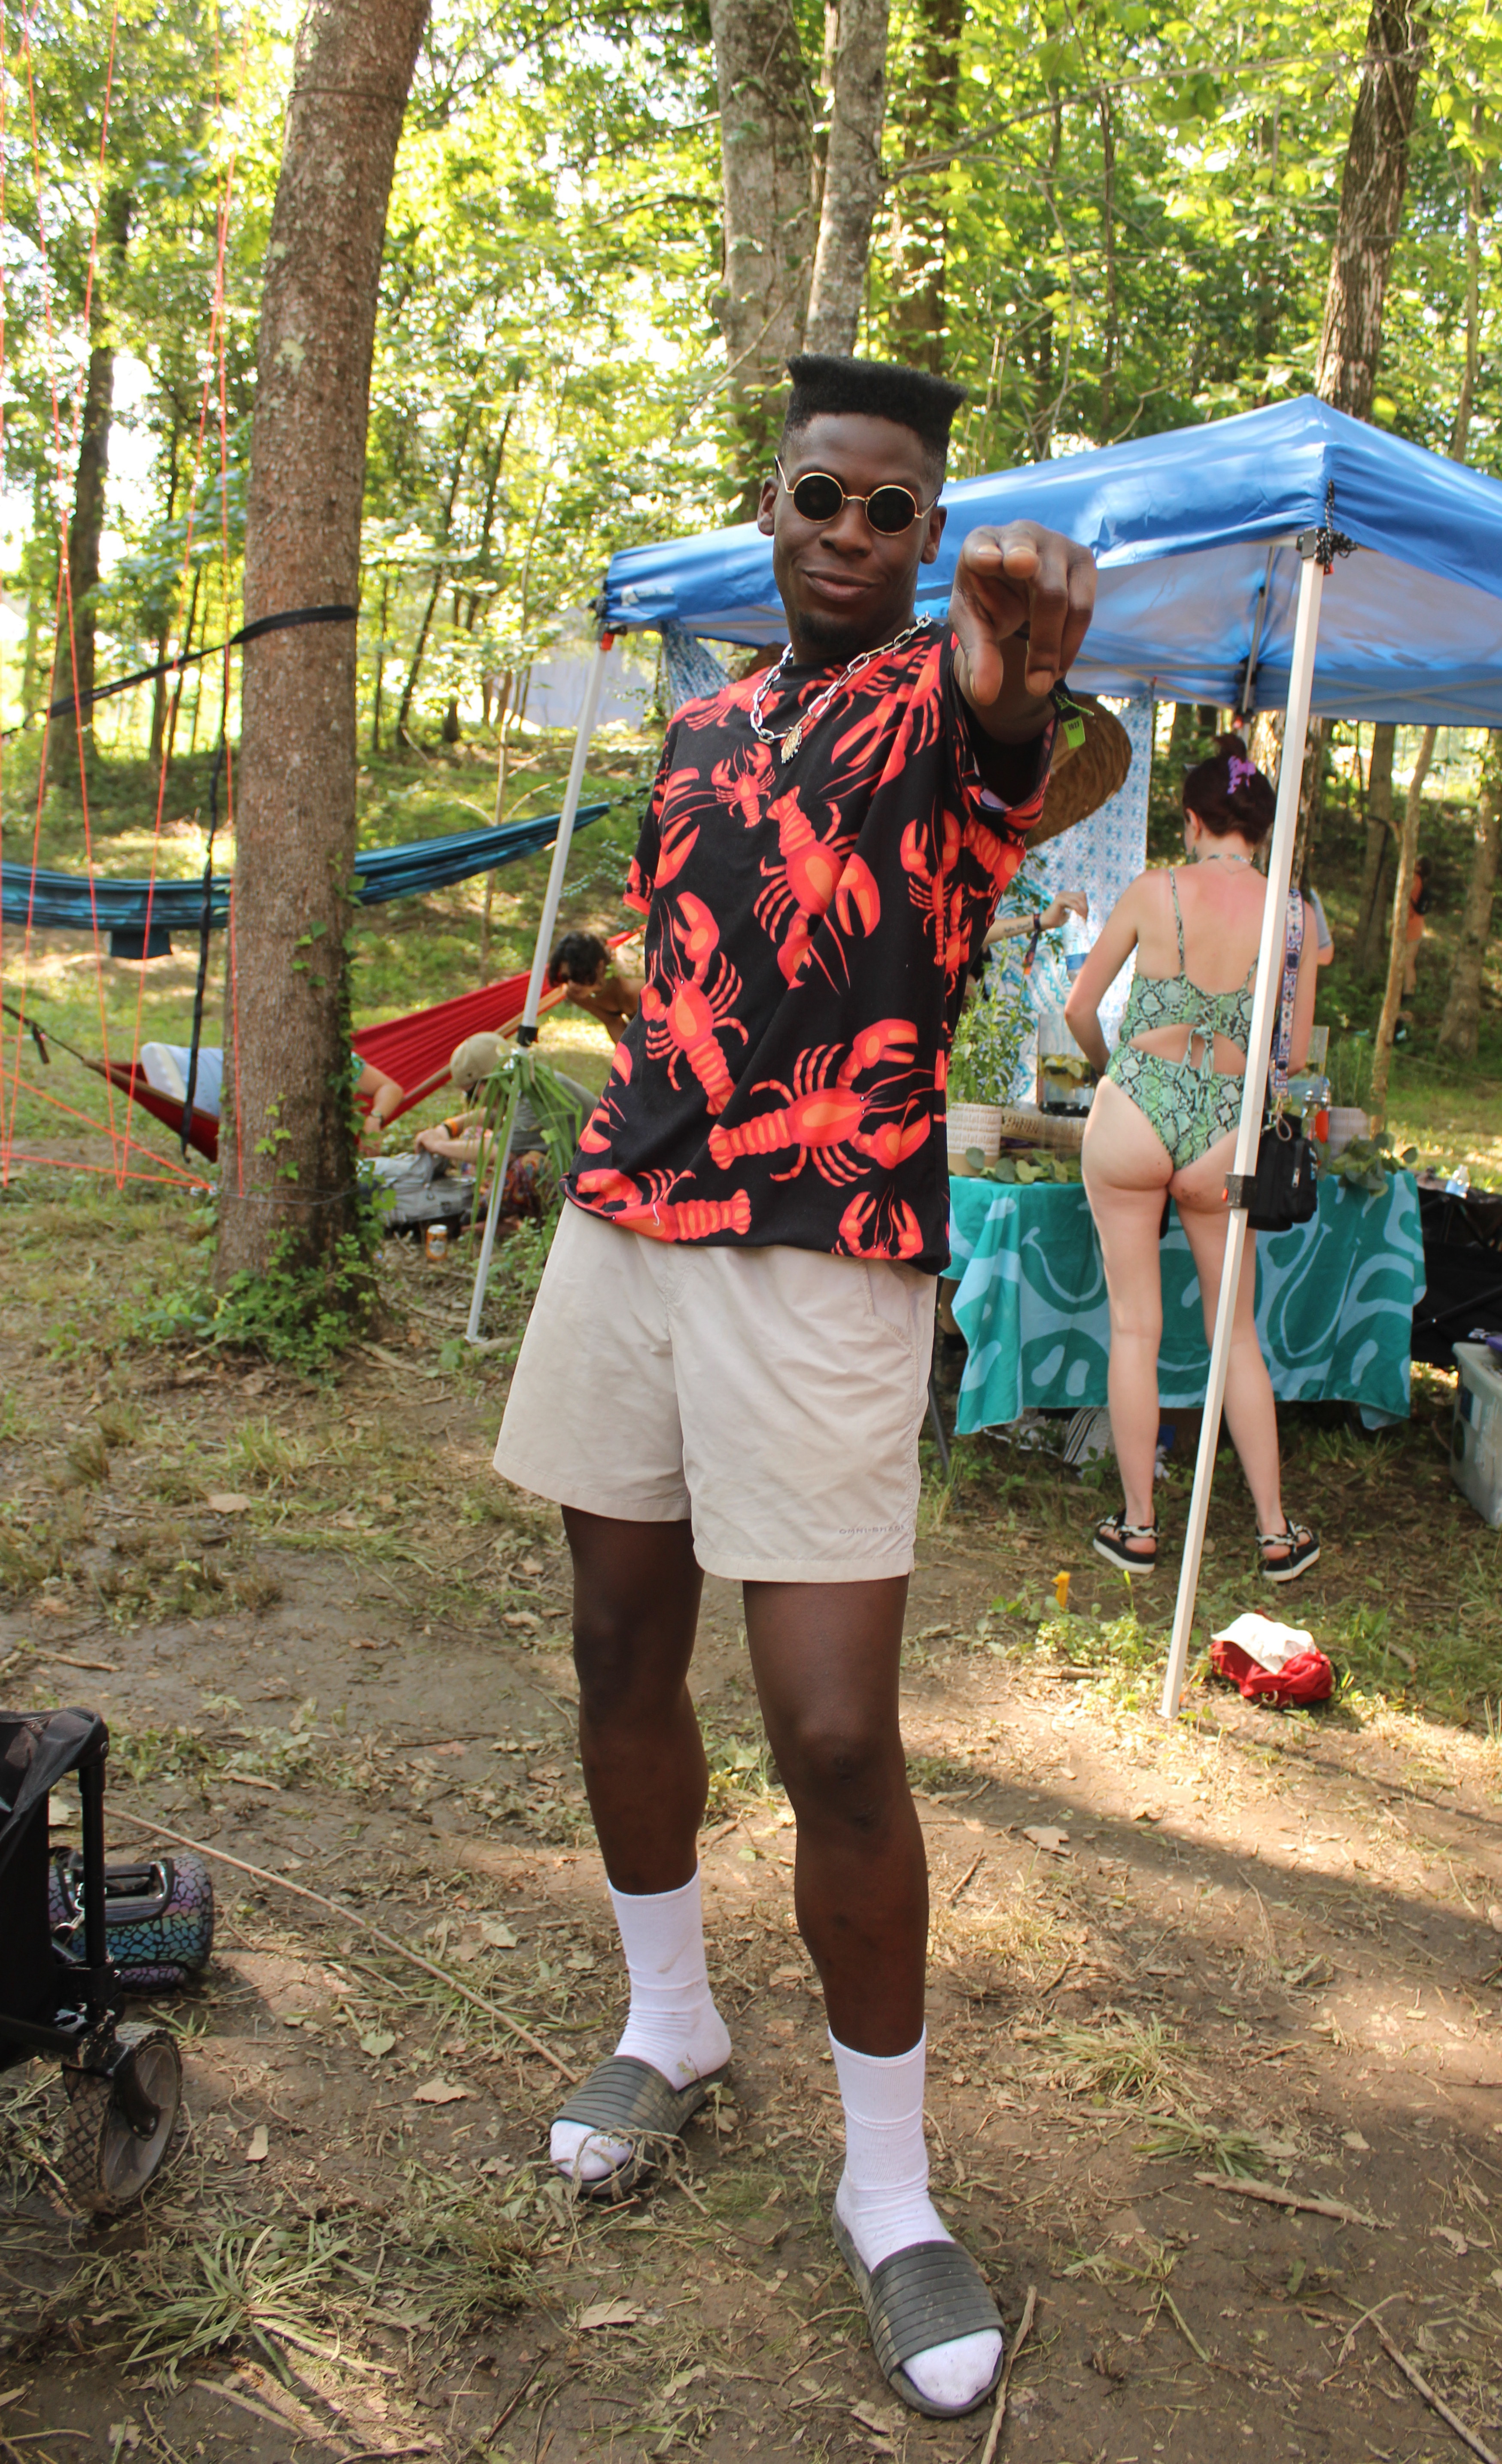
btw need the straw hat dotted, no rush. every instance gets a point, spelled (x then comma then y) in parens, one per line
(1080, 778)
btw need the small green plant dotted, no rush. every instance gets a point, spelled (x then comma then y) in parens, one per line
(303, 1316)
(1039, 1163)
(1350, 1070)
(988, 1042)
(1369, 1163)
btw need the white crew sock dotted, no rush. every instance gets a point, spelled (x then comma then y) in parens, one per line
(673, 2022)
(883, 2200)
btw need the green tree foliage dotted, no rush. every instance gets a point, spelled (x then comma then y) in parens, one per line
(1105, 217)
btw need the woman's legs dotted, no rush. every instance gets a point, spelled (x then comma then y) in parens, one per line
(1250, 1412)
(1127, 1169)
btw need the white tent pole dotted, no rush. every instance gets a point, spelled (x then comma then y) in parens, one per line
(1259, 1047)
(526, 1032)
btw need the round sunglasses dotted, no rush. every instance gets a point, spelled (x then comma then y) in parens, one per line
(819, 498)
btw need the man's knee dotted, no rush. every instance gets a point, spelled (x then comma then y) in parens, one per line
(625, 1672)
(841, 1768)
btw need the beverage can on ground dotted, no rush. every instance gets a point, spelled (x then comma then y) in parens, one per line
(436, 1240)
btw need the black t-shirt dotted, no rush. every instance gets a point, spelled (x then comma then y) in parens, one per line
(809, 926)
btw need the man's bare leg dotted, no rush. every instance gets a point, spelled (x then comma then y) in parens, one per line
(826, 1658)
(636, 1595)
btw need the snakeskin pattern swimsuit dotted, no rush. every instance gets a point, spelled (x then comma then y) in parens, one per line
(1190, 1104)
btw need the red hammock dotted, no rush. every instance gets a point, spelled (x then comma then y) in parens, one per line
(415, 1052)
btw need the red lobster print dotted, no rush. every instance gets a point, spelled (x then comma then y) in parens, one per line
(937, 891)
(594, 1138)
(685, 1010)
(822, 1113)
(644, 1207)
(880, 1227)
(743, 781)
(813, 871)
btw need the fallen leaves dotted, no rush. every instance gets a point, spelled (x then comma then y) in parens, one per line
(258, 2146)
(228, 1501)
(1043, 1835)
(378, 2041)
(605, 2314)
(442, 2091)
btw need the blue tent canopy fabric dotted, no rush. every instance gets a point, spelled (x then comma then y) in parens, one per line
(52, 900)
(1194, 535)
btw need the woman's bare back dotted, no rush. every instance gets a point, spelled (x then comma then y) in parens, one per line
(1220, 903)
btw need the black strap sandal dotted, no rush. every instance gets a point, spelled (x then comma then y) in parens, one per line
(623, 2099)
(1301, 1545)
(1112, 1537)
(930, 2294)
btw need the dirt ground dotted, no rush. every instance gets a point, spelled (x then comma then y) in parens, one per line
(1170, 1966)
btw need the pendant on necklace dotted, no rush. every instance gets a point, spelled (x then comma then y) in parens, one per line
(791, 741)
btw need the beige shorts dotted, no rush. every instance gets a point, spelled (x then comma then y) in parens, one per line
(773, 1398)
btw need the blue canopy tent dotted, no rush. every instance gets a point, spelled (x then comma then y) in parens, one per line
(1288, 558)
(1194, 534)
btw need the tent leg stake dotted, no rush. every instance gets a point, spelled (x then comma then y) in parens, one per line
(1248, 1130)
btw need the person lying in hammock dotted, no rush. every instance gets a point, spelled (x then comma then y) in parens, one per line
(166, 1067)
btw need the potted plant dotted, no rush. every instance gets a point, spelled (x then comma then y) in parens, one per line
(983, 1062)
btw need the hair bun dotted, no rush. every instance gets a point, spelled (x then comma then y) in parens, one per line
(1231, 744)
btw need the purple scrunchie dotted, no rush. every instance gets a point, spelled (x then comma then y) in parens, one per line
(1240, 773)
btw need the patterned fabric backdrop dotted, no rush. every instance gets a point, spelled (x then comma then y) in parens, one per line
(1100, 856)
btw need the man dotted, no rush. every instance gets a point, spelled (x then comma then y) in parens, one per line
(582, 963)
(745, 1278)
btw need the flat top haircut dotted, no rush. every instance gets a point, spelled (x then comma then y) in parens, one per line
(825, 386)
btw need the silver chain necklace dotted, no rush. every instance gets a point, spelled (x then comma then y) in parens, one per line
(788, 745)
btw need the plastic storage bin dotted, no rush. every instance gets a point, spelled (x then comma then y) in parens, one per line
(1475, 1454)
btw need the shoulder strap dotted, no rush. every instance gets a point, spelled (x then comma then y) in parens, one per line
(1173, 885)
(1283, 1033)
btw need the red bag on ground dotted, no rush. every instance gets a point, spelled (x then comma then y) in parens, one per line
(1308, 1676)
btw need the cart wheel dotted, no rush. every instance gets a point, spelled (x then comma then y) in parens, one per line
(106, 2165)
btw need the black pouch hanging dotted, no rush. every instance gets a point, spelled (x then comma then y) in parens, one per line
(1284, 1189)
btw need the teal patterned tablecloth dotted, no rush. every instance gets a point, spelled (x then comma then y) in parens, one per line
(1334, 1302)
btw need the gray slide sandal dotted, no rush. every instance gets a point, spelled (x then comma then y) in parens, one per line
(927, 2295)
(624, 2099)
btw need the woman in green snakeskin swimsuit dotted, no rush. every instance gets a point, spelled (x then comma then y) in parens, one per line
(1164, 1125)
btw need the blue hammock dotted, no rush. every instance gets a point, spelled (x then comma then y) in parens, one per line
(61, 900)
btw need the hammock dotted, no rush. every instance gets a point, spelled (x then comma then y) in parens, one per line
(414, 1050)
(62, 900)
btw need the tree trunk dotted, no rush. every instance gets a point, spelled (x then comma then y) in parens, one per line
(930, 117)
(1380, 835)
(1371, 205)
(1397, 947)
(851, 176)
(767, 155)
(70, 741)
(1110, 336)
(1461, 1024)
(287, 1164)
(1460, 430)
(1310, 798)
(163, 640)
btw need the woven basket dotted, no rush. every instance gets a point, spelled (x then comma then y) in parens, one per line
(1081, 779)
(975, 1125)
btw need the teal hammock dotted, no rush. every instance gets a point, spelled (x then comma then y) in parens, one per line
(141, 916)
